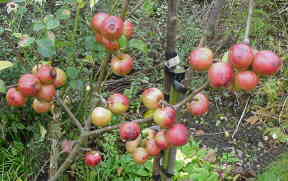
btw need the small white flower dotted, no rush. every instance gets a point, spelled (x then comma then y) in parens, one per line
(11, 7)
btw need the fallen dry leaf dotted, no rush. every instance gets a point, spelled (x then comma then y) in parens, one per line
(252, 120)
(211, 156)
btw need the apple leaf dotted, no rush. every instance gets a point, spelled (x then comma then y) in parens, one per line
(63, 14)
(123, 42)
(138, 44)
(46, 47)
(5, 64)
(2, 86)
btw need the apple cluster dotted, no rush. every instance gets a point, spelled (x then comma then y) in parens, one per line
(240, 67)
(41, 84)
(108, 29)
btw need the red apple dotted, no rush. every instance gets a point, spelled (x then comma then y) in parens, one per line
(99, 38)
(60, 79)
(128, 29)
(129, 130)
(97, 21)
(41, 106)
(15, 98)
(241, 56)
(112, 45)
(266, 62)
(199, 105)
(152, 148)
(152, 98)
(93, 158)
(161, 140)
(46, 74)
(246, 80)
(177, 135)
(29, 85)
(165, 117)
(118, 103)
(131, 146)
(220, 75)
(201, 59)
(112, 28)
(101, 116)
(140, 155)
(122, 64)
(47, 93)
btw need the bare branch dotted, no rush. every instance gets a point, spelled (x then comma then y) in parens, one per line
(242, 115)
(125, 9)
(248, 23)
(190, 97)
(109, 128)
(71, 115)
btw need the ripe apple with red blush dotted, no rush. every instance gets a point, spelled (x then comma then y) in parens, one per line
(152, 148)
(220, 75)
(15, 98)
(152, 98)
(112, 27)
(177, 135)
(118, 103)
(47, 93)
(29, 85)
(140, 155)
(266, 62)
(165, 117)
(60, 79)
(93, 158)
(246, 80)
(201, 59)
(199, 105)
(97, 21)
(241, 56)
(46, 74)
(129, 130)
(161, 140)
(122, 64)
(101, 116)
(132, 145)
(41, 106)
(128, 29)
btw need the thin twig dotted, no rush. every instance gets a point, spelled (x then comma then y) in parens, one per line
(190, 97)
(109, 128)
(240, 120)
(248, 23)
(125, 9)
(72, 116)
(283, 107)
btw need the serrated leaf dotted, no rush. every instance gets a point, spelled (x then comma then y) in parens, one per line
(5, 65)
(46, 47)
(72, 72)
(76, 84)
(63, 14)
(2, 86)
(51, 22)
(123, 42)
(38, 26)
(138, 44)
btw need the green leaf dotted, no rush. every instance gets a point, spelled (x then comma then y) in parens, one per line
(26, 41)
(90, 42)
(51, 22)
(63, 14)
(148, 7)
(46, 47)
(123, 42)
(2, 86)
(1, 30)
(38, 26)
(76, 84)
(72, 72)
(138, 44)
(5, 65)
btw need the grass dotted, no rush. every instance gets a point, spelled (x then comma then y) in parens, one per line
(276, 171)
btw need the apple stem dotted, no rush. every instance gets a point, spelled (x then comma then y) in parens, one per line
(248, 23)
